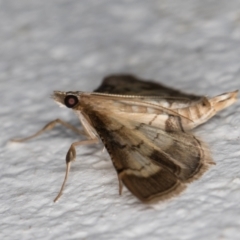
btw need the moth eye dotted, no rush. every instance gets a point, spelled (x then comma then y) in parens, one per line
(71, 101)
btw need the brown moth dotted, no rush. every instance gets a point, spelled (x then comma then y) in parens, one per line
(145, 128)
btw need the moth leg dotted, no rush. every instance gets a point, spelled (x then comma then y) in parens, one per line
(50, 126)
(120, 184)
(70, 157)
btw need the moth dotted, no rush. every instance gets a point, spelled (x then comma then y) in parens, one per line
(146, 129)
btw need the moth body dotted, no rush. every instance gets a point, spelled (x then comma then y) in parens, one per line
(145, 128)
(148, 137)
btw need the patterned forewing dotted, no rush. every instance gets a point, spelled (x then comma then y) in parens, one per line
(151, 162)
(180, 152)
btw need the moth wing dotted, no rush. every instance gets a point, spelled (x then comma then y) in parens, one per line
(131, 85)
(151, 162)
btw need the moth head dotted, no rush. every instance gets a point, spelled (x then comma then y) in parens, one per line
(66, 99)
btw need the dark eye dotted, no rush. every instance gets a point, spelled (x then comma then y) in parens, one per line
(71, 101)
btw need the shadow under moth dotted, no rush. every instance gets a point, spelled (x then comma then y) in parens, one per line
(146, 129)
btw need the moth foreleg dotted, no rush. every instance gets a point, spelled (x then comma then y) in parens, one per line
(50, 126)
(71, 154)
(70, 157)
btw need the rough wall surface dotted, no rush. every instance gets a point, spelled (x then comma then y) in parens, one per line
(71, 45)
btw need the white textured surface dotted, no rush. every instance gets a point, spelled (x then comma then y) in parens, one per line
(71, 45)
